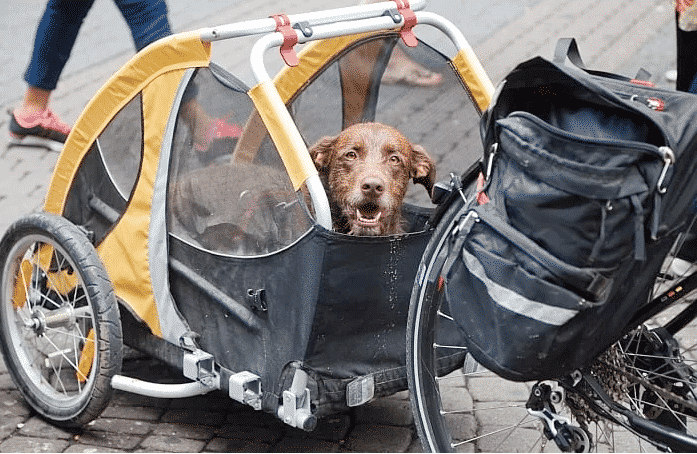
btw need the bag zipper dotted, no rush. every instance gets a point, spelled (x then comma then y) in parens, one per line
(640, 146)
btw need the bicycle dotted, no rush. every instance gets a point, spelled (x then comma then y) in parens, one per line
(645, 384)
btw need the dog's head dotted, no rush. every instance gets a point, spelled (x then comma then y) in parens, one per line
(367, 168)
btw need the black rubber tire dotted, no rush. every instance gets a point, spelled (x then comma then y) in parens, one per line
(48, 309)
(431, 426)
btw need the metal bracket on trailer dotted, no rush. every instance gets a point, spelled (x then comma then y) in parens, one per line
(195, 364)
(295, 409)
(200, 366)
(245, 387)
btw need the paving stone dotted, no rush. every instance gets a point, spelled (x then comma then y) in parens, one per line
(12, 403)
(455, 397)
(37, 427)
(415, 446)
(125, 399)
(109, 440)
(28, 444)
(385, 411)
(120, 426)
(623, 441)
(292, 444)
(462, 427)
(379, 438)
(172, 444)
(247, 417)
(469, 447)
(136, 413)
(212, 402)
(521, 440)
(258, 434)
(502, 414)
(184, 430)
(6, 382)
(197, 418)
(10, 424)
(490, 388)
(236, 445)
(77, 448)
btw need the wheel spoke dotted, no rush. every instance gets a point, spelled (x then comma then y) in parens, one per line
(54, 292)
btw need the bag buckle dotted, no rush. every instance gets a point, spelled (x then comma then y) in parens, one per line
(668, 160)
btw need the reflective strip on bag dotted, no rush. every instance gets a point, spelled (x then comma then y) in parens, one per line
(515, 302)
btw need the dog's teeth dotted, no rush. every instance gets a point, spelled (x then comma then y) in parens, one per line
(373, 220)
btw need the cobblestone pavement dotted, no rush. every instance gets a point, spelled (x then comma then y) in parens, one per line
(614, 35)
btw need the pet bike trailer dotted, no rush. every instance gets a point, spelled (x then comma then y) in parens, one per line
(186, 219)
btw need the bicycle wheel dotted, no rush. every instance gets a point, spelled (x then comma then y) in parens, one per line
(648, 373)
(60, 331)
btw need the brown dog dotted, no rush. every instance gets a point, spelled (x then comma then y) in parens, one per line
(366, 170)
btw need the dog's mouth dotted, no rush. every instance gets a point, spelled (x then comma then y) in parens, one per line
(368, 214)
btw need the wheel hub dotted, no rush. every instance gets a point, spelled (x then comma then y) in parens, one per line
(41, 319)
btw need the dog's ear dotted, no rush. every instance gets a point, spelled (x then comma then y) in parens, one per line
(321, 152)
(423, 169)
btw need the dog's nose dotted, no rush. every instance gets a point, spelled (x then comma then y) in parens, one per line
(373, 187)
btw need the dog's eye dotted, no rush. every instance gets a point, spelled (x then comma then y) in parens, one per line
(351, 154)
(394, 159)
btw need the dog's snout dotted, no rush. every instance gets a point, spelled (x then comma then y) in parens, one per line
(372, 186)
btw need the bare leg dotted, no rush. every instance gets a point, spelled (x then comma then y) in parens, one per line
(402, 69)
(35, 101)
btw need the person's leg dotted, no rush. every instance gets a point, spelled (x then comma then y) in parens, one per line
(53, 43)
(55, 37)
(686, 57)
(693, 86)
(147, 20)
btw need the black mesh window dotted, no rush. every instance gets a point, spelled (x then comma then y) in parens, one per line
(228, 189)
(121, 146)
(108, 174)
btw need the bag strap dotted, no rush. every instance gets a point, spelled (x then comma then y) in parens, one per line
(568, 48)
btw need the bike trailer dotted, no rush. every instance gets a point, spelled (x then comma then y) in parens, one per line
(209, 217)
(587, 178)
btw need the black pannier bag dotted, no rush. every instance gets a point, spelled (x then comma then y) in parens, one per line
(586, 179)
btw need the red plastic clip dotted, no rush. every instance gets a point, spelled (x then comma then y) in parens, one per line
(407, 13)
(290, 39)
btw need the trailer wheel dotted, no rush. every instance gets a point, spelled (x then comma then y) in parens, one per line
(60, 331)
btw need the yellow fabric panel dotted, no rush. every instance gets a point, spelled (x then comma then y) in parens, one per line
(284, 133)
(184, 50)
(480, 87)
(125, 250)
(312, 58)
